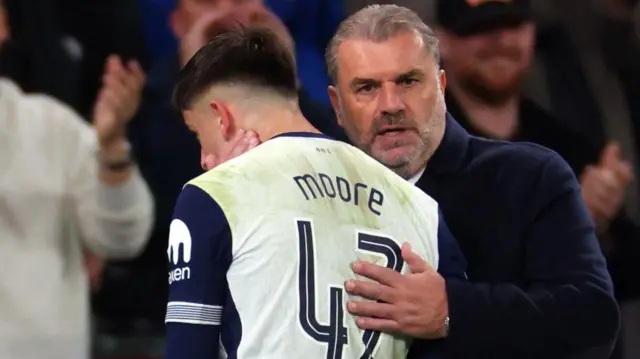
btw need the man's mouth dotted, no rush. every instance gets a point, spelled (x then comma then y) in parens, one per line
(391, 131)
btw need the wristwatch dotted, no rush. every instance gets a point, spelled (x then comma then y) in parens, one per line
(121, 163)
(446, 326)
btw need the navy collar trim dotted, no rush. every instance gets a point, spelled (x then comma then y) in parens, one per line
(303, 134)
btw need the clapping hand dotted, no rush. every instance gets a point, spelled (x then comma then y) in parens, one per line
(604, 185)
(118, 100)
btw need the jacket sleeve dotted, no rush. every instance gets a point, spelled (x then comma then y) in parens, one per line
(565, 303)
(452, 263)
(113, 221)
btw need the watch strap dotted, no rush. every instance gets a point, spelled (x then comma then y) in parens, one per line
(121, 163)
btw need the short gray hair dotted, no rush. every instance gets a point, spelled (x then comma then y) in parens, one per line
(379, 23)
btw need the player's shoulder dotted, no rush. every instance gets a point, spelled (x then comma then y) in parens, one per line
(206, 184)
(193, 195)
(197, 208)
(231, 171)
(261, 161)
(237, 179)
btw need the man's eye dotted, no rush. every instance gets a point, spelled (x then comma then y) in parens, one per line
(409, 82)
(365, 88)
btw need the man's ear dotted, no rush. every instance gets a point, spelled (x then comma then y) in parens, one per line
(224, 117)
(443, 81)
(335, 103)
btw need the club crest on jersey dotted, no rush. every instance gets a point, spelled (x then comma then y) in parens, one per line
(179, 238)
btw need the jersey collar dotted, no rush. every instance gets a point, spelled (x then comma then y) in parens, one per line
(303, 134)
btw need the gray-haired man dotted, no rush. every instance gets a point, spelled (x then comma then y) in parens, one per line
(539, 287)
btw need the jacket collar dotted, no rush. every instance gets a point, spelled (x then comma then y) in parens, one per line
(449, 156)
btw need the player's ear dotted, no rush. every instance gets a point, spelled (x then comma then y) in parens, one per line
(223, 118)
(335, 103)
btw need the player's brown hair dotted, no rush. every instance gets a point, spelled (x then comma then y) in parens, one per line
(247, 56)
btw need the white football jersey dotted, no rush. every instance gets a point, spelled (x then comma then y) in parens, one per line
(260, 248)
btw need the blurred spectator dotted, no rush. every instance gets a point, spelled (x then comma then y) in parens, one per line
(65, 186)
(486, 52)
(169, 155)
(59, 47)
(39, 56)
(160, 39)
(100, 28)
(312, 23)
(586, 71)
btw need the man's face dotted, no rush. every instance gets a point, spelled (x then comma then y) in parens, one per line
(389, 99)
(491, 64)
(245, 12)
(209, 127)
(189, 12)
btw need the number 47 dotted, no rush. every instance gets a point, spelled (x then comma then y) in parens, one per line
(335, 333)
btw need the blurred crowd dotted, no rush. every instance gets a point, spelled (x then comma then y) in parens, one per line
(561, 73)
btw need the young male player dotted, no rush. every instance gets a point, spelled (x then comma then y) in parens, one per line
(261, 245)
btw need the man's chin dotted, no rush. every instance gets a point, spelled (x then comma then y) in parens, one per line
(395, 158)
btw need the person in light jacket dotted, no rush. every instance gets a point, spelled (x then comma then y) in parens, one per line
(66, 187)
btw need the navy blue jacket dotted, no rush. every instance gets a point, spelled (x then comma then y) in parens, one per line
(538, 284)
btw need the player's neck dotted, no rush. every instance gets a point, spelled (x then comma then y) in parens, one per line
(279, 121)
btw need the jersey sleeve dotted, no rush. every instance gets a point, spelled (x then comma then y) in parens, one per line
(452, 263)
(199, 256)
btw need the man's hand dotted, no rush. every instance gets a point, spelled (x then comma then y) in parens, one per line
(118, 100)
(243, 141)
(604, 186)
(414, 304)
(95, 268)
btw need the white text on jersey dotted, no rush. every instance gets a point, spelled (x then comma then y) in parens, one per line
(179, 274)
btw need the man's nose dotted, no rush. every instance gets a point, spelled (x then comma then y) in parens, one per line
(390, 99)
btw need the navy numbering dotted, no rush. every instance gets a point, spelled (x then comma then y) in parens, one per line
(334, 334)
